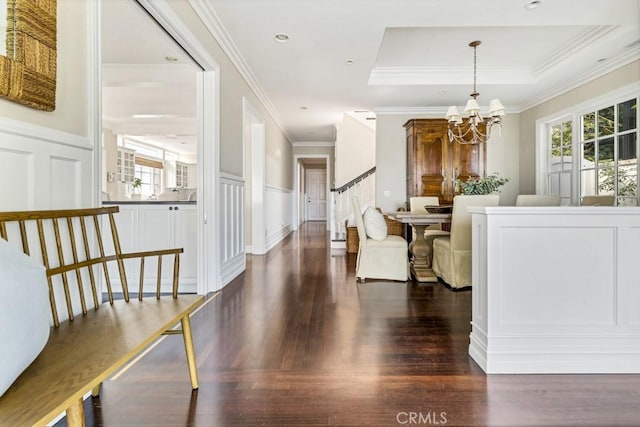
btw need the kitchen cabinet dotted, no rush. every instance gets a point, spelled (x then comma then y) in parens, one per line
(125, 165)
(434, 163)
(180, 175)
(145, 227)
(170, 226)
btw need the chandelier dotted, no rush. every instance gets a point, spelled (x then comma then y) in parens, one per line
(472, 131)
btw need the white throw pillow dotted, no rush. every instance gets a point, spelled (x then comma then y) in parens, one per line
(24, 312)
(351, 219)
(374, 224)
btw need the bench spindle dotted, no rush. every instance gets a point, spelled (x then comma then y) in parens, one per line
(159, 276)
(23, 237)
(141, 287)
(104, 263)
(87, 252)
(65, 281)
(118, 250)
(45, 261)
(74, 252)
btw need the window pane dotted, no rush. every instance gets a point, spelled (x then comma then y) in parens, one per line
(588, 155)
(566, 133)
(588, 183)
(627, 201)
(627, 115)
(605, 151)
(588, 126)
(605, 121)
(554, 183)
(607, 181)
(566, 153)
(628, 180)
(565, 185)
(627, 147)
(555, 141)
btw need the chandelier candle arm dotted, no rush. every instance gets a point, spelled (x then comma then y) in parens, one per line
(470, 133)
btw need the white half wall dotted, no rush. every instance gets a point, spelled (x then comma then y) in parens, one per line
(43, 168)
(232, 250)
(279, 219)
(556, 290)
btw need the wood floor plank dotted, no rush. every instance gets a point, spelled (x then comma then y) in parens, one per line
(295, 341)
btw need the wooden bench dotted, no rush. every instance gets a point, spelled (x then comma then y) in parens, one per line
(96, 339)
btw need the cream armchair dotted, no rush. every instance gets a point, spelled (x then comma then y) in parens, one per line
(452, 254)
(384, 259)
(538, 200)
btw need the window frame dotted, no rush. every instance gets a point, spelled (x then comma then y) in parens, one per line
(543, 144)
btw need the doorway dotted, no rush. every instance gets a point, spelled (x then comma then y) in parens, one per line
(200, 182)
(316, 193)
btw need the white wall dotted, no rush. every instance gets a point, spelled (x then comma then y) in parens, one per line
(46, 158)
(391, 152)
(355, 151)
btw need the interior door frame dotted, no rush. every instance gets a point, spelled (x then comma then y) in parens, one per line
(307, 172)
(296, 199)
(208, 121)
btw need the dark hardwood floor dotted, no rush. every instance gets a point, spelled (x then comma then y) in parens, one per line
(295, 341)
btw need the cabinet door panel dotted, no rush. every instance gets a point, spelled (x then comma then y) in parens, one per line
(155, 233)
(186, 237)
(469, 161)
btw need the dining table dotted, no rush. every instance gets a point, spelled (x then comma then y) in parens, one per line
(420, 250)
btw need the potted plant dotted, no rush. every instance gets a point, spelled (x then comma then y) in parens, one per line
(136, 185)
(485, 185)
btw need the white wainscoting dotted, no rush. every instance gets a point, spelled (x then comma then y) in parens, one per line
(43, 168)
(232, 250)
(279, 215)
(556, 290)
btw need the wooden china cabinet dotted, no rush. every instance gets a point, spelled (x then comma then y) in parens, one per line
(434, 163)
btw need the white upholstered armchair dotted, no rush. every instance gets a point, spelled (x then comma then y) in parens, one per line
(385, 258)
(452, 254)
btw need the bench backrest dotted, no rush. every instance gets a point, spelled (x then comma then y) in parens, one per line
(79, 245)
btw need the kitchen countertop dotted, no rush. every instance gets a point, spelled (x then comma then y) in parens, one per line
(148, 202)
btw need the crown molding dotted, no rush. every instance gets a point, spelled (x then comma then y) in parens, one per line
(314, 144)
(444, 75)
(430, 112)
(212, 22)
(570, 48)
(600, 70)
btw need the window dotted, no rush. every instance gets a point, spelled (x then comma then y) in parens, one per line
(560, 165)
(608, 152)
(593, 151)
(151, 180)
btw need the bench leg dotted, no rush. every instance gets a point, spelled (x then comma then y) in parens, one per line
(75, 414)
(191, 355)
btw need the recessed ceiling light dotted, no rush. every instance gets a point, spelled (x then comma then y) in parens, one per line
(532, 4)
(442, 91)
(304, 108)
(601, 60)
(282, 37)
(170, 58)
(349, 61)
